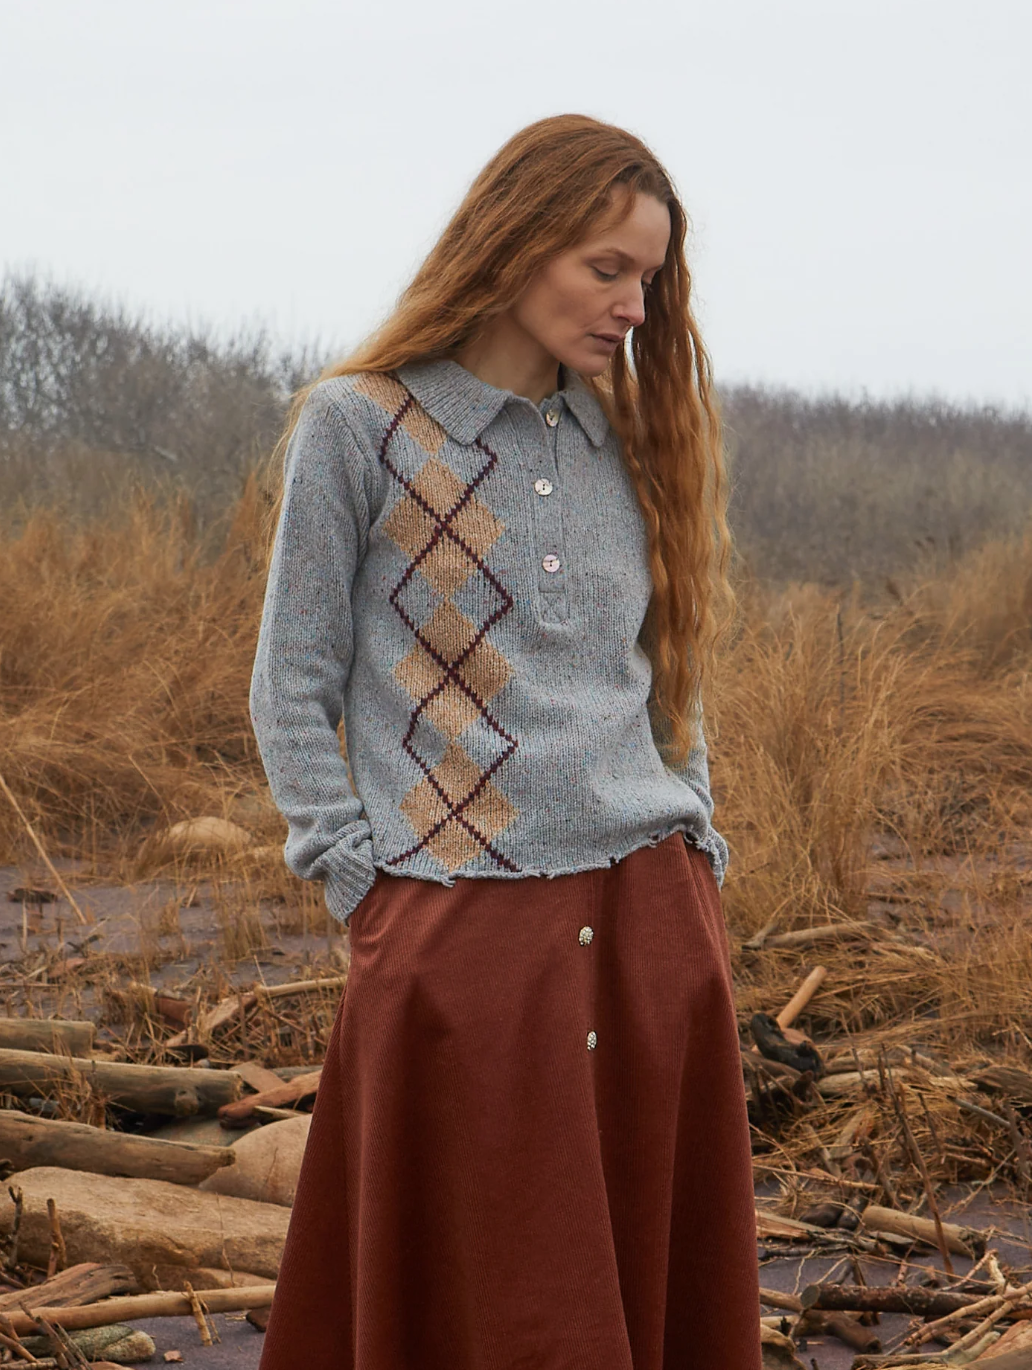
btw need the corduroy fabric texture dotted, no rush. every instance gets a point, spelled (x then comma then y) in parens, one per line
(462, 575)
(482, 1191)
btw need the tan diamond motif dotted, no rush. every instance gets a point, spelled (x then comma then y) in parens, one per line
(446, 532)
(447, 565)
(390, 395)
(449, 633)
(488, 813)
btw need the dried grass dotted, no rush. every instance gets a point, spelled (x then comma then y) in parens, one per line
(838, 723)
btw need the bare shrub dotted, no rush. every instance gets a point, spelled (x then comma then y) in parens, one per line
(831, 491)
(93, 398)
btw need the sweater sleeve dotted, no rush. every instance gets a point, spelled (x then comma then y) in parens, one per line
(694, 771)
(304, 655)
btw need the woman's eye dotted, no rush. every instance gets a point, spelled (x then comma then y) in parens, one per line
(605, 275)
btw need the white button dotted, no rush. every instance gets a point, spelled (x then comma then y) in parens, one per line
(551, 417)
(592, 1041)
(584, 936)
(550, 563)
(543, 486)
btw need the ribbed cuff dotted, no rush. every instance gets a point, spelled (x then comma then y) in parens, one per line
(345, 889)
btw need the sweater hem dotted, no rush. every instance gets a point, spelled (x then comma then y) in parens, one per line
(652, 840)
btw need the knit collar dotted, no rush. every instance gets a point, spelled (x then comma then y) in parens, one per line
(464, 405)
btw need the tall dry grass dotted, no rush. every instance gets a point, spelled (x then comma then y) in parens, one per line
(125, 656)
(126, 647)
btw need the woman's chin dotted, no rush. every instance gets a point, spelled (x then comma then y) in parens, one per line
(588, 362)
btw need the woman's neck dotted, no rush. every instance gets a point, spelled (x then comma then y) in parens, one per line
(509, 358)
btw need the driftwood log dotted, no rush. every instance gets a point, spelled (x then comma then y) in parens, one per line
(241, 1111)
(66, 1036)
(842, 1325)
(145, 1223)
(173, 1090)
(827, 932)
(27, 1141)
(163, 1305)
(1010, 1081)
(962, 1241)
(79, 1284)
(777, 1298)
(858, 1298)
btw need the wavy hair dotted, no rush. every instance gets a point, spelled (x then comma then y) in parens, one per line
(538, 196)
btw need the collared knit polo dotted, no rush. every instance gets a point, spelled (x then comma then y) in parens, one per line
(461, 575)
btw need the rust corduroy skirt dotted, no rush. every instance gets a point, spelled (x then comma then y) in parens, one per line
(529, 1146)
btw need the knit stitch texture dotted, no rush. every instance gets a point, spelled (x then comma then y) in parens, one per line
(461, 576)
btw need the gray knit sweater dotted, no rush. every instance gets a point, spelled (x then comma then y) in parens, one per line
(462, 575)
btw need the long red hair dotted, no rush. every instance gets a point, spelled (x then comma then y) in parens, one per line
(539, 195)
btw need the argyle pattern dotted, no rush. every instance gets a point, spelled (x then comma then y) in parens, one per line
(452, 671)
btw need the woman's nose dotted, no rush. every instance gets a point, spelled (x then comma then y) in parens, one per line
(631, 306)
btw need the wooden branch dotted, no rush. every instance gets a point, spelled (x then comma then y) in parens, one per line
(962, 1241)
(755, 943)
(839, 1324)
(200, 1316)
(990, 1304)
(774, 1298)
(285, 1093)
(826, 932)
(27, 1141)
(897, 1298)
(65, 1037)
(802, 997)
(174, 1090)
(9, 1340)
(901, 1113)
(161, 1305)
(58, 1251)
(256, 1076)
(226, 1010)
(292, 987)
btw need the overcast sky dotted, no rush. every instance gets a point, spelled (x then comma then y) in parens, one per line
(856, 171)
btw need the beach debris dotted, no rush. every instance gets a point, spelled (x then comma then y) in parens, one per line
(140, 1223)
(268, 1162)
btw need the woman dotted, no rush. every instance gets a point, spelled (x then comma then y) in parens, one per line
(498, 555)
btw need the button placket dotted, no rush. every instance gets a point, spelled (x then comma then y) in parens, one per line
(585, 937)
(548, 524)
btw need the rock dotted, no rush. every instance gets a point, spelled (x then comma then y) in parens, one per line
(202, 1277)
(190, 837)
(201, 1131)
(145, 1223)
(268, 1161)
(118, 1343)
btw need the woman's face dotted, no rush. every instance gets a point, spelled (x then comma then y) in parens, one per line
(582, 304)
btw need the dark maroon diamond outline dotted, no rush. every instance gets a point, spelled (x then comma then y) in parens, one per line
(441, 528)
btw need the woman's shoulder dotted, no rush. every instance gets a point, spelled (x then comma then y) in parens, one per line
(359, 399)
